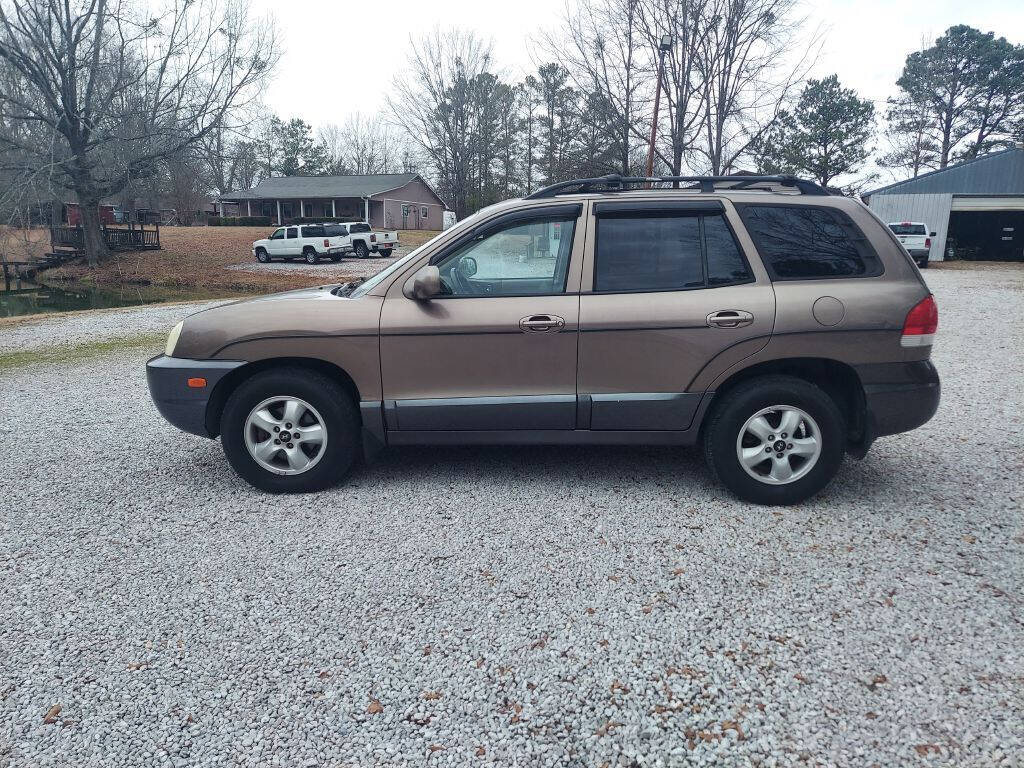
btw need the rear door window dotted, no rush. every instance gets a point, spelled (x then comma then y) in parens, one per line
(907, 229)
(293, 232)
(641, 252)
(800, 242)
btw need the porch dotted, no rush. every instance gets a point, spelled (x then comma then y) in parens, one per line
(286, 210)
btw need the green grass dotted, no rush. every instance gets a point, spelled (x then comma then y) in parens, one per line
(67, 354)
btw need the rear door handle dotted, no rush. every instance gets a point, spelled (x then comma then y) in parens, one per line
(730, 318)
(541, 323)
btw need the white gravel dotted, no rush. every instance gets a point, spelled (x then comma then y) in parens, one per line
(514, 606)
(76, 328)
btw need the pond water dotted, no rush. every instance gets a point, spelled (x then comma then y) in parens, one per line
(21, 297)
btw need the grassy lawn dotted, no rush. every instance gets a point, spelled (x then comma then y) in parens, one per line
(195, 258)
(73, 353)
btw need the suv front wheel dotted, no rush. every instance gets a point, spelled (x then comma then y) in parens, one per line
(775, 440)
(290, 430)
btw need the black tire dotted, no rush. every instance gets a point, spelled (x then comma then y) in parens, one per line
(729, 415)
(335, 406)
(310, 255)
(262, 256)
(361, 250)
(923, 264)
(385, 252)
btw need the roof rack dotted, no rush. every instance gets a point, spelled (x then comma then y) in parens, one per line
(613, 182)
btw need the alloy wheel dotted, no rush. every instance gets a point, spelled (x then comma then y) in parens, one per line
(285, 435)
(779, 444)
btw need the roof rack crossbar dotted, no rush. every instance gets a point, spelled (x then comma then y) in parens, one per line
(615, 182)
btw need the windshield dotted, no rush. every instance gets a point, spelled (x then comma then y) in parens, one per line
(395, 267)
(360, 228)
(907, 229)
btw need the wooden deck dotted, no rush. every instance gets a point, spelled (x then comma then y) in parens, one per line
(130, 238)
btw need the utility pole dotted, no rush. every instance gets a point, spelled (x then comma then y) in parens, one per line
(663, 48)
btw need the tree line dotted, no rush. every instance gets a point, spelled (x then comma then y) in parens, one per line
(101, 99)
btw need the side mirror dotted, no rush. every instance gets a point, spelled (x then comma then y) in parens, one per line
(424, 285)
(931, 234)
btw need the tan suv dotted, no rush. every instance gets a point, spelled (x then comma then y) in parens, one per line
(776, 325)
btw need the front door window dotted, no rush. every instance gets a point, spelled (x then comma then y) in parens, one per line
(522, 259)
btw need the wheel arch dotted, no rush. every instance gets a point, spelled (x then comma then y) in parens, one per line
(838, 379)
(231, 382)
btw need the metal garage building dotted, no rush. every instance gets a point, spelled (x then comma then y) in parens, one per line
(976, 208)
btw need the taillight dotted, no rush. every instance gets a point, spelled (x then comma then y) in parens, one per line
(921, 323)
(327, 243)
(373, 238)
(927, 242)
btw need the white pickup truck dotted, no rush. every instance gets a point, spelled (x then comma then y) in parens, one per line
(916, 238)
(361, 238)
(301, 241)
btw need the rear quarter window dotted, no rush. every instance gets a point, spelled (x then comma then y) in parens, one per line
(314, 231)
(799, 242)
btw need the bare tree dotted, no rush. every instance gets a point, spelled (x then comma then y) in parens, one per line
(684, 21)
(362, 145)
(602, 46)
(435, 101)
(747, 75)
(107, 91)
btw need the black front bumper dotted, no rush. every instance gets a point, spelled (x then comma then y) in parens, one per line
(898, 397)
(184, 406)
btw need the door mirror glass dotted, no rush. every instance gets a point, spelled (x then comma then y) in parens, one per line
(424, 285)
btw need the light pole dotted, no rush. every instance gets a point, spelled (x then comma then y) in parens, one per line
(663, 48)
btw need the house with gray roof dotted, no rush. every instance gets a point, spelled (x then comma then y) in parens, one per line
(975, 208)
(385, 200)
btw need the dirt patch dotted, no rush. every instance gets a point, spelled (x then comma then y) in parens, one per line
(207, 258)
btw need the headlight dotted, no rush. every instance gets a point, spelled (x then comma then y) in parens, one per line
(172, 340)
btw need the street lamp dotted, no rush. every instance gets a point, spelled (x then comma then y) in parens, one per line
(664, 47)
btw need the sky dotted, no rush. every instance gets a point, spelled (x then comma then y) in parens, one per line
(342, 57)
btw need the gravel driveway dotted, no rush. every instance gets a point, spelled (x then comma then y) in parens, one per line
(514, 606)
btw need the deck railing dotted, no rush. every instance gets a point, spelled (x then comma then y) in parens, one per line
(117, 238)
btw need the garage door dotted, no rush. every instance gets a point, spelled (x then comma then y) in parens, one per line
(1010, 203)
(987, 235)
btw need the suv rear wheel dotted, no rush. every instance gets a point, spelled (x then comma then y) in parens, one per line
(290, 431)
(775, 440)
(309, 254)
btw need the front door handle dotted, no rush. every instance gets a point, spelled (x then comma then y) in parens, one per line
(541, 323)
(730, 318)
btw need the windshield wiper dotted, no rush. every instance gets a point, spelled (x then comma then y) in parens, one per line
(345, 289)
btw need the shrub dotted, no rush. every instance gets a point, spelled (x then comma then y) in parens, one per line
(240, 221)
